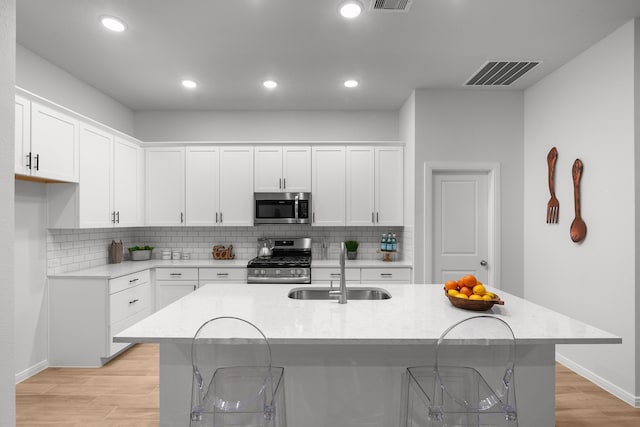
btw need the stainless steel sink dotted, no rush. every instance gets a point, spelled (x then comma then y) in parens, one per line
(353, 293)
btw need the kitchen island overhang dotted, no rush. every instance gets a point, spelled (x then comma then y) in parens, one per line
(344, 362)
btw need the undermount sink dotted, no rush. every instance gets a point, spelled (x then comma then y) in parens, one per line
(353, 293)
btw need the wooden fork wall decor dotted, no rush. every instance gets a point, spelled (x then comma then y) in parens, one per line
(553, 206)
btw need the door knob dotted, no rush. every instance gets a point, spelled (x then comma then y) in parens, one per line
(483, 263)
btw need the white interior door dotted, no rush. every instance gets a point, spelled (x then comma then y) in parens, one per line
(460, 225)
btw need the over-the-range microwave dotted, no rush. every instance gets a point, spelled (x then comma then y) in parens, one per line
(282, 208)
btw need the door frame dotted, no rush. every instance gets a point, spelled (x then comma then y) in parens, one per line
(493, 227)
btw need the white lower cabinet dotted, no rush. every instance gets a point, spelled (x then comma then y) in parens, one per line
(86, 313)
(324, 276)
(396, 276)
(174, 283)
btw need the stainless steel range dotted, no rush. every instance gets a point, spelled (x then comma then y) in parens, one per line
(289, 262)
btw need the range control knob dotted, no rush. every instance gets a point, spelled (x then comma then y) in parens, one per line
(263, 272)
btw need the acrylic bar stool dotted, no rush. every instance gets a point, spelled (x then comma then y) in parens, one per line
(248, 394)
(472, 382)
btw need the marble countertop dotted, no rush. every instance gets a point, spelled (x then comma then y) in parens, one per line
(111, 271)
(416, 314)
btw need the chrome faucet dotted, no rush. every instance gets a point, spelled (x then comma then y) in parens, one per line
(342, 293)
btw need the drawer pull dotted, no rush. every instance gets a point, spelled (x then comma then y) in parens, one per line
(222, 274)
(175, 274)
(134, 301)
(335, 274)
(133, 280)
(386, 274)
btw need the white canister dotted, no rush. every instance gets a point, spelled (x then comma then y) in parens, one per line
(176, 255)
(165, 254)
(185, 255)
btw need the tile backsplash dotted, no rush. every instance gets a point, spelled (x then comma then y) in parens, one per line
(75, 249)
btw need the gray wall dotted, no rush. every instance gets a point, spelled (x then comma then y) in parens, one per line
(598, 124)
(49, 81)
(293, 126)
(7, 120)
(474, 126)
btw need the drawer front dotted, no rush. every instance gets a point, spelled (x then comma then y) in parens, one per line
(325, 274)
(176, 274)
(223, 274)
(386, 274)
(127, 303)
(121, 283)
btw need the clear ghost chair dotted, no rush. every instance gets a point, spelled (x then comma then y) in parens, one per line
(472, 381)
(234, 383)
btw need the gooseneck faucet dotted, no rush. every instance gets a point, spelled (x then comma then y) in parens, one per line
(342, 293)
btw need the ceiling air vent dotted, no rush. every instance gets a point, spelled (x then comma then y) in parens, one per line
(391, 5)
(500, 73)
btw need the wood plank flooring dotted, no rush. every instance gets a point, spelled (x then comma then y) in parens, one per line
(124, 393)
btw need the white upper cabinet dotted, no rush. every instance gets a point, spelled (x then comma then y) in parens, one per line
(46, 142)
(22, 136)
(164, 186)
(329, 176)
(203, 171)
(282, 168)
(109, 193)
(96, 195)
(236, 186)
(360, 199)
(128, 183)
(389, 186)
(215, 186)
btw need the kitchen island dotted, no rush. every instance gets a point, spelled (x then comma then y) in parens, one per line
(343, 363)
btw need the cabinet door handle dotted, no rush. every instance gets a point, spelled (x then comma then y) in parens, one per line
(194, 287)
(280, 183)
(29, 160)
(175, 274)
(216, 217)
(133, 280)
(118, 217)
(134, 301)
(220, 217)
(181, 217)
(37, 162)
(378, 217)
(284, 183)
(113, 217)
(313, 218)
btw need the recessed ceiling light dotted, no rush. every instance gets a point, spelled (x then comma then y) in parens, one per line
(270, 84)
(350, 9)
(350, 83)
(189, 84)
(113, 23)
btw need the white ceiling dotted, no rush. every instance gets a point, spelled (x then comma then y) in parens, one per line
(230, 46)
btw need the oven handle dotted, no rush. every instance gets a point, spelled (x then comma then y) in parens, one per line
(274, 280)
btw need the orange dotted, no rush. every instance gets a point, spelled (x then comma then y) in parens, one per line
(466, 291)
(469, 281)
(451, 284)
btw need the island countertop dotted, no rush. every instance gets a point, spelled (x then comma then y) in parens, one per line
(416, 314)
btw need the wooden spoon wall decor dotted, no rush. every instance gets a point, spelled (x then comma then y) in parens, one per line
(578, 230)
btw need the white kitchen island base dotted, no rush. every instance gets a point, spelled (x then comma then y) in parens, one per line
(355, 385)
(344, 362)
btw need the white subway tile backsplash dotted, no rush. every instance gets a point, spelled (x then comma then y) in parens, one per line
(70, 249)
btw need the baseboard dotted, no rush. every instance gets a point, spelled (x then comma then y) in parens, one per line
(599, 381)
(31, 371)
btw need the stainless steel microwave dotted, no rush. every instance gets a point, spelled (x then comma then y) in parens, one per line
(282, 208)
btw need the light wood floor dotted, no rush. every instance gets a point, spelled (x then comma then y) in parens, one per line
(124, 393)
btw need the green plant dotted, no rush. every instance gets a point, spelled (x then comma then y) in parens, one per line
(140, 248)
(351, 245)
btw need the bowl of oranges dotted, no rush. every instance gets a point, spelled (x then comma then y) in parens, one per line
(470, 294)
